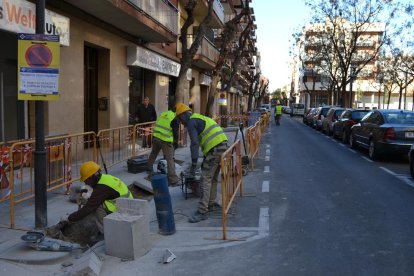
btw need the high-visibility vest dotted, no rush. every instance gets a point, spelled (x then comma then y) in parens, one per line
(278, 110)
(162, 129)
(212, 134)
(116, 184)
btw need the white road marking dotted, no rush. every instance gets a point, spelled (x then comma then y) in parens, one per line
(351, 150)
(407, 179)
(268, 152)
(367, 159)
(267, 146)
(264, 221)
(342, 145)
(266, 169)
(267, 158)
(265, 186)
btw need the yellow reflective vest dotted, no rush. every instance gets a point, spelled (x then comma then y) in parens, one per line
(116, 184)
(211, 136)
(278, 110)
(162, 129)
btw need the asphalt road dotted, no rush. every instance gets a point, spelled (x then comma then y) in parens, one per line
(332, 212)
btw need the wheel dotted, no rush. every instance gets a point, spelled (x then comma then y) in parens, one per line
(344, 137)
(372, 151)
(412, 166)
(352, 142)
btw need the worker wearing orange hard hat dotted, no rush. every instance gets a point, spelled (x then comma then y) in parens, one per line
(205, 133)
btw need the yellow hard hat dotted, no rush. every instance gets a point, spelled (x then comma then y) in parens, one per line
(180, 108)
(88, 169)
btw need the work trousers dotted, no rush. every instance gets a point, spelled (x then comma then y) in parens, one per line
(210, 170)
(168, 151)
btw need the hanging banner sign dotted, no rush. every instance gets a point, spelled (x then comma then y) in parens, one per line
(38, 67)
(19, 16)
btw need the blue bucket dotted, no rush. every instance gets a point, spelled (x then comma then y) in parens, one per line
(162, 199)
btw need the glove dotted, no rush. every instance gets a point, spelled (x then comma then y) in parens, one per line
(64, 218)
(175, 145)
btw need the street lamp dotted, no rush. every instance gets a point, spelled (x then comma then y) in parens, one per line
(380, 80)
(353, 77)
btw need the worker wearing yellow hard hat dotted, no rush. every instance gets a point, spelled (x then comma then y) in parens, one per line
(106, 188)
(205, 133)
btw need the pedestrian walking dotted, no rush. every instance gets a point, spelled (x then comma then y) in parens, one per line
(278, 113)
(166, 139)
(205, 133)
(144, 114)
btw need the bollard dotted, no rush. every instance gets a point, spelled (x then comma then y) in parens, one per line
(163, 207)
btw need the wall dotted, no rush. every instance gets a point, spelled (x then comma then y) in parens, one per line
(72, 80)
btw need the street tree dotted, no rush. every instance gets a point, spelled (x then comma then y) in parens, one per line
(189, 51)
(343, 28)
(228, 35)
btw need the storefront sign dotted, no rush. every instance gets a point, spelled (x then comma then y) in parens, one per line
(19, 16)
(138, 56)
(38, 67)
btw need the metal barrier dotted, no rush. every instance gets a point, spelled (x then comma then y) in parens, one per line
(115, 145)
(253, 135)
(232, 119)
(64, 154)
(231, 180)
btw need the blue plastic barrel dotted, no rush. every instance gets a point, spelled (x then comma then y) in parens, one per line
(163, 207)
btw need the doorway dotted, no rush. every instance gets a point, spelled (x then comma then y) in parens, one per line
(90, 89)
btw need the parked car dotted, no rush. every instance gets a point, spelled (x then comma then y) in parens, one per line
(330, 119)
(285, 109)
(308, 117)
(319, 116)
(384, 131)
(348, 118)
(297, 109)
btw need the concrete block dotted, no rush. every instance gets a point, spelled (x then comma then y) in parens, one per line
(88, 264)
(126, 235)
(134, 207)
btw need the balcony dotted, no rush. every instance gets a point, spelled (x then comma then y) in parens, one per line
(207, 54)
(217, 20)
(150, 21)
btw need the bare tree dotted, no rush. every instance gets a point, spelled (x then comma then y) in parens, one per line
(230, 31)
(342, 27)
(188, 53)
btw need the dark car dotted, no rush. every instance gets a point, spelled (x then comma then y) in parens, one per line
(383, 132)
(348, 118)
(331, 118)
(319, 116)
(308, 118)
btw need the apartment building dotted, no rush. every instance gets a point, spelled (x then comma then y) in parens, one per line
(314, 81)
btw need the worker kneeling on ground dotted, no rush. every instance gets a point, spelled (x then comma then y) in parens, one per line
(205, 133)
(106, 188)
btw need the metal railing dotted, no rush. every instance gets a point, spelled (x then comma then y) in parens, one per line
(160, 12)
(231, 180)
(253, 135)
(206, 49)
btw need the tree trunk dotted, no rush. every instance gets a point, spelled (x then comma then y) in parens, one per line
(189, 53)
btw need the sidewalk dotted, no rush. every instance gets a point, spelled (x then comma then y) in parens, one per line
(244, 225)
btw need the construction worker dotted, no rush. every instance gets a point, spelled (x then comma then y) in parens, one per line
(205, 133)
(106, 188)
(166, 139)
(278, 113)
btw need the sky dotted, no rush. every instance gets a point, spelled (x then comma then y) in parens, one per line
(276, 21)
